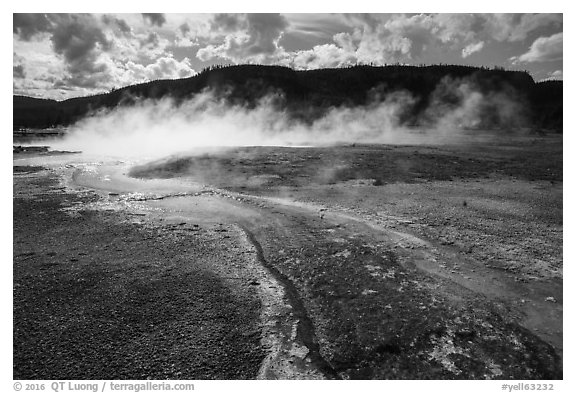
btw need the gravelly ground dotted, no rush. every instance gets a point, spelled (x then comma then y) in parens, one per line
(96, 297)
(397, 261)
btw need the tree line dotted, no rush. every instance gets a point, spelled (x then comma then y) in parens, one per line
(306, 95)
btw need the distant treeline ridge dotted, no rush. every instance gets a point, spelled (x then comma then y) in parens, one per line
(307, 95)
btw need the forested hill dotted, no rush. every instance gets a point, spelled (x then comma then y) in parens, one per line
(306, 95)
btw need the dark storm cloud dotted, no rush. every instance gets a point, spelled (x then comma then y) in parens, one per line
(28, 25)
(80, 40)
(155, 19)
(77, 36)
(18, 71)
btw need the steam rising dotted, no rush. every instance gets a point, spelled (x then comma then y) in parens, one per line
(153, 129)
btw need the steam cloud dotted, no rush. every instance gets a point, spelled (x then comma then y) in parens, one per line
(153, 129)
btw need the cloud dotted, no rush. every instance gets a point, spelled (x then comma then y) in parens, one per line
(377, 41)
(264, 31)
(322, 56)
(163, 68)
(94, 50)
(384, 38)
(91, 54)
(185, 36)
(98, 78)
(543, 49)
(155, 19)
(78, 54)
(420, 30)
(117, 23)
(558, 74)
(516, 27)
(81, 41)
(226, 22)
(42, 68)
(426, 27)
(18, 67)
(250, 37)
(184, 28)
(472, 48)
(361, 46)
(78, 37)
(28, 25)
(373, 39)
(152, 40)
(18, 71)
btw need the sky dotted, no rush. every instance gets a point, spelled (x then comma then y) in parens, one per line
(61, 56)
